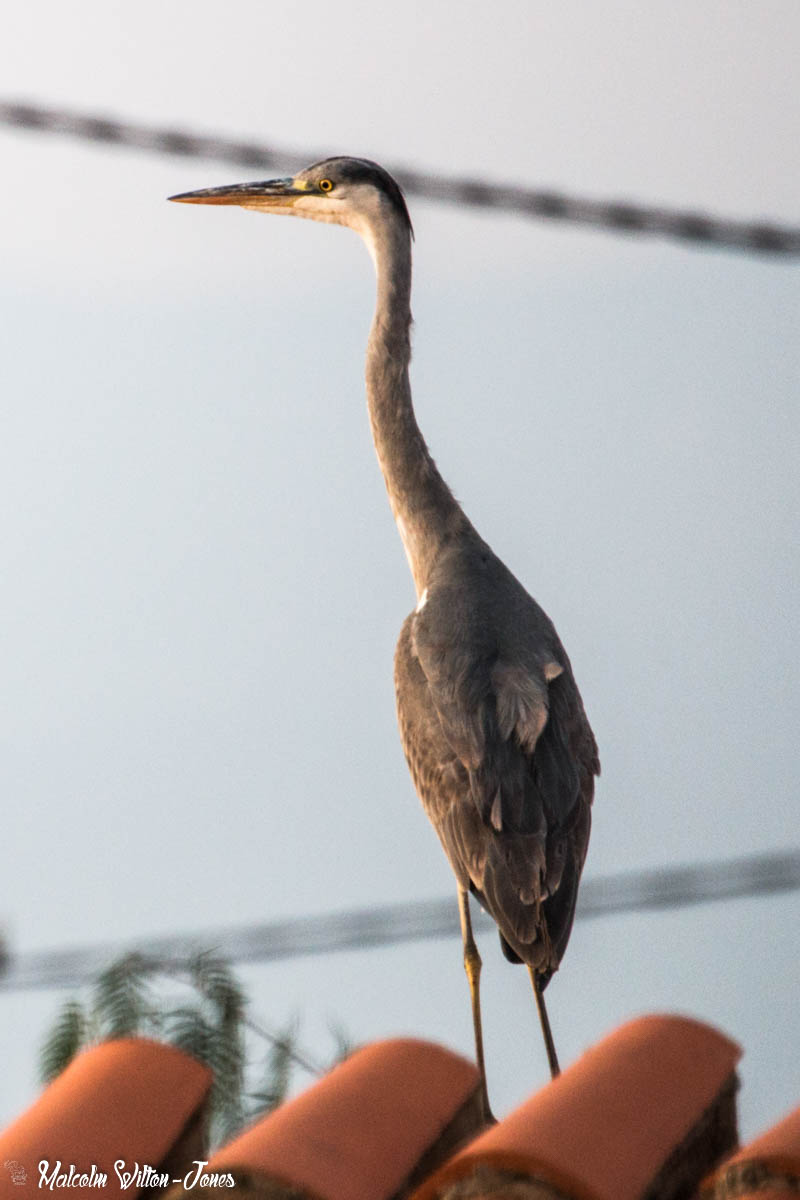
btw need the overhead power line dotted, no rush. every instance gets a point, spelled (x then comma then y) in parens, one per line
(620, 216)
(641, 891)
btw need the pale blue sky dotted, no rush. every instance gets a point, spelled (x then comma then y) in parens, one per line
(202, 583)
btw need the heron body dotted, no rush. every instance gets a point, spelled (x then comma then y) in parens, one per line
(499, 748)
(491, 720)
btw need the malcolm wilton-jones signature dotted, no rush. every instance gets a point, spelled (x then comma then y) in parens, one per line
(54, 1176)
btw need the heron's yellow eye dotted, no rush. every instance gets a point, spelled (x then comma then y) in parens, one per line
(325, 185)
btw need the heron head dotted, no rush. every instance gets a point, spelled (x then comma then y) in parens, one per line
(342, 191)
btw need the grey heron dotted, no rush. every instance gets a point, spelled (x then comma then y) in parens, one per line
(491, 720)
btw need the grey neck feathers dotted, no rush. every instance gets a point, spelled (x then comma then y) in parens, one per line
(426, 513)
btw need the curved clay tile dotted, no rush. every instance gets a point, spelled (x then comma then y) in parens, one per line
(769, 1193)
(767, 1167)
(391, 1109)
(653, 1099)
(130, 1099)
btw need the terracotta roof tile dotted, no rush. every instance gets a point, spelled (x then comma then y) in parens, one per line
(606, 1127)
(131, 1099)
(771, 1159)
(359, 1133)
(768, 1194)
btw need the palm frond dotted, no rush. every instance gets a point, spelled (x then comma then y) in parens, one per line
(64, 1040)
(187, 1029)
(227, 1061)
(211, 1026)
(121, 996)
(213, 978)
(277, 1072)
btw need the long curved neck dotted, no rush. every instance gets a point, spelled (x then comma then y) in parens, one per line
(426, 513)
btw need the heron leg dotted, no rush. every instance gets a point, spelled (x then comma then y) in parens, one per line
(472, 965)
(547, 1033)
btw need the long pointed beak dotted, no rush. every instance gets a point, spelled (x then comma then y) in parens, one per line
(271, 194)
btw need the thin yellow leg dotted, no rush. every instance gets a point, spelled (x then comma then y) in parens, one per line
(547, 1033)
(472, 965)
